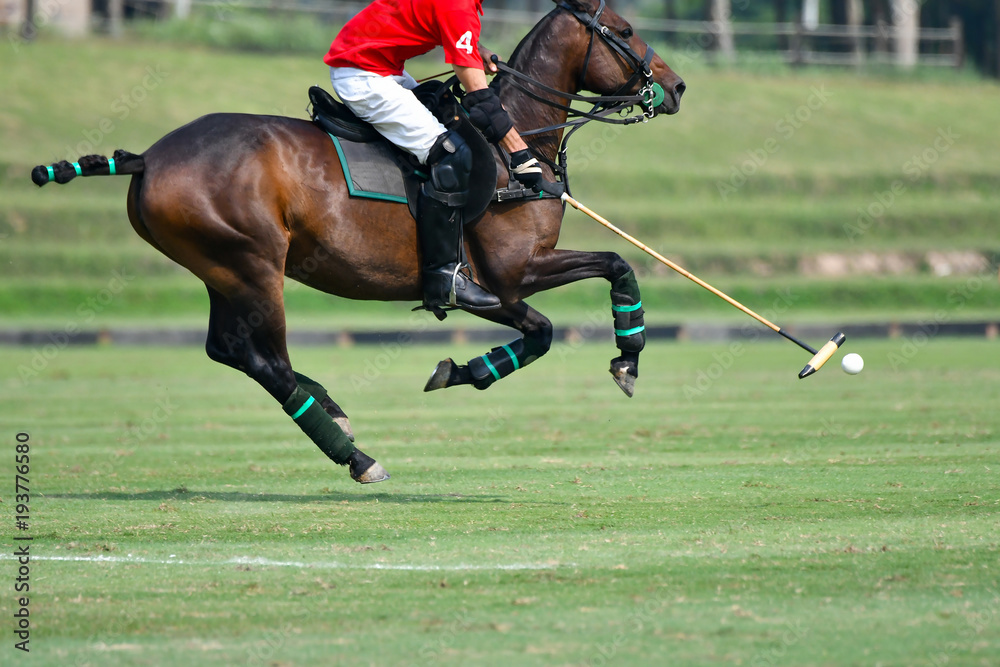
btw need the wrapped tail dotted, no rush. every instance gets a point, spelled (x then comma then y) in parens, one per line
(122, 163)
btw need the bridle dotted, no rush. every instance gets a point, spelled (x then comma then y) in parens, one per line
(649, 96)
(640, 66)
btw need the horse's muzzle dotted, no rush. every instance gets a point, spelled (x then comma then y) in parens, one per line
(672, 99)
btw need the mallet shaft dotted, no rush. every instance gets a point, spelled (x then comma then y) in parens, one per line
(684, 272)
(819, 358)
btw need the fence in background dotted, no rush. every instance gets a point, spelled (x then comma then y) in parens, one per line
(796, 44)
(844, 45)
(822, 45)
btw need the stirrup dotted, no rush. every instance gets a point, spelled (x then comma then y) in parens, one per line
(442, 292)
(453, 293)
(470, 286)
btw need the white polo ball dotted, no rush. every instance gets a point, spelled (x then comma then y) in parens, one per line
(852, 363)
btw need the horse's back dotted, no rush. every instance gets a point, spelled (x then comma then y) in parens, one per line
(223, 142)
(271, 188)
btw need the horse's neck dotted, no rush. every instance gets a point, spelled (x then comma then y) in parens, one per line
(539, 60)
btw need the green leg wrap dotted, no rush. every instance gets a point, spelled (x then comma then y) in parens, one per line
(626, 308)
(502, 361)
(317, 390)
(303, 407)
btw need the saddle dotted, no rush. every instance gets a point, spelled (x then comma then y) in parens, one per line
(368, 158)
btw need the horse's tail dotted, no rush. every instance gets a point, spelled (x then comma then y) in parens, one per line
(122, 163)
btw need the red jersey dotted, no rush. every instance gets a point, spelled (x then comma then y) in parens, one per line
(387, 33)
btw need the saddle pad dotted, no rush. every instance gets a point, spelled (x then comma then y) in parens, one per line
(371, 170)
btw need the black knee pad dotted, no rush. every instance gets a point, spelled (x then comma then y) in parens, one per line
(450, 160)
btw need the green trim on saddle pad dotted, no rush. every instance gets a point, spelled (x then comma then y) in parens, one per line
(354, 192)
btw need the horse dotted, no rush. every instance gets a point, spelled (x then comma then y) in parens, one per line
(244, 201)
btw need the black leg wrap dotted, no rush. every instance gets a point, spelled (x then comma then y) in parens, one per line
(502, 361)
(626, 308)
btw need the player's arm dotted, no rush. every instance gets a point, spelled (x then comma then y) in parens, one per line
(473, 79)
(460, 37)
(486, 113)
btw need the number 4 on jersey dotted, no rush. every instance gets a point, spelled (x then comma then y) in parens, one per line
(465, 42)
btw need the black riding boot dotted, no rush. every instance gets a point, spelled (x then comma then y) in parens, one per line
(439, 229)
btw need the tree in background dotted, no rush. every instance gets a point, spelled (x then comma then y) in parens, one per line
(981, 27)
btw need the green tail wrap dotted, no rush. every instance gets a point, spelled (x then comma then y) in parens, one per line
(626, 309)
(306, 411)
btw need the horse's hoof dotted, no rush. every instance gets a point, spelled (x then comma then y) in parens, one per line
(624, 373)
(441, 375)
(365, 469)
(375, 473)
(345, 426)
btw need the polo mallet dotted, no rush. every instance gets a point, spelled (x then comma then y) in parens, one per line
(819, 357)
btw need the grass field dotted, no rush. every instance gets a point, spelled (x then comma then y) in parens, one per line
(728, 514)
(807, 155)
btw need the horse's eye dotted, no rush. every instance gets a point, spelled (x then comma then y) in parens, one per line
(627, 33)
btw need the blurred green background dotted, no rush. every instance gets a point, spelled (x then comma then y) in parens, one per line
(837, 194)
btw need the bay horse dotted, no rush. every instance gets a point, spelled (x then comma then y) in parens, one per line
(242, 201)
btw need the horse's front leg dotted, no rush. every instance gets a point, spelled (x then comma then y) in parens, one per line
(554, 268)
(547, 269)
(483, 371)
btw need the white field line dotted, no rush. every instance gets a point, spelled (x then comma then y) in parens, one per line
(265, 562)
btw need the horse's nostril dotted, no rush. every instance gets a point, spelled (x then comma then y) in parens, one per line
(680, 88)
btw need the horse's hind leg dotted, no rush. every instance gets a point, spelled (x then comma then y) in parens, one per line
(247, 332)
(220, 347)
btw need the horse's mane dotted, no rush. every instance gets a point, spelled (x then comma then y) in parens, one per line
(525, 42)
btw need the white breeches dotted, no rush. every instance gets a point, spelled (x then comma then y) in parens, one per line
(389, 105)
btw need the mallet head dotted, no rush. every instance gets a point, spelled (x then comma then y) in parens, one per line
(823, 355)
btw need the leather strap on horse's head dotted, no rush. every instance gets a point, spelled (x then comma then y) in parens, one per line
(640, 64)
